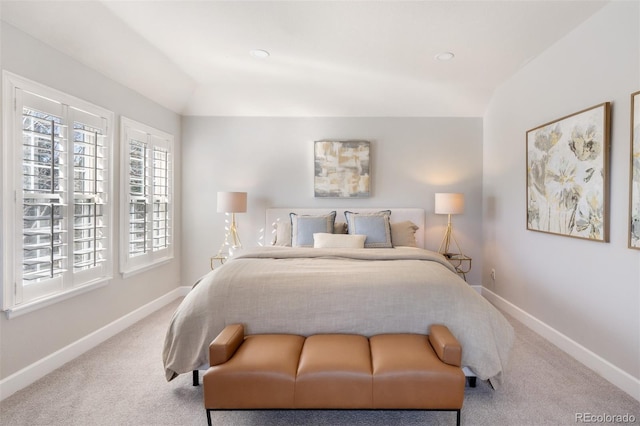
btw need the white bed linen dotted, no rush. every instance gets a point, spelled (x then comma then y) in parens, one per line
(364, 291)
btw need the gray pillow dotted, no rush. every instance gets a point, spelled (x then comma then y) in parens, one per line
(304, 226)
(374, 225)
(404, 234)
(340, 228)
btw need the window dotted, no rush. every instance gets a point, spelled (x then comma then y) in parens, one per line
(57, 192)
(147, 196)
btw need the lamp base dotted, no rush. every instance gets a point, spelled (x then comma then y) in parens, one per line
(446, 241)
(231, 240)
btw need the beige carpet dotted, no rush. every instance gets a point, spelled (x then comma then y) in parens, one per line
(121, 382)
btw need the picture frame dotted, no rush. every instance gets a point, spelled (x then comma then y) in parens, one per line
(634, 174)
(342, 169)
(568, 175)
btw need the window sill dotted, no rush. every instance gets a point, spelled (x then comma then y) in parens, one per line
(140, 269)
(45, 301)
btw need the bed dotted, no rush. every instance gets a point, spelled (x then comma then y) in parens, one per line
(337, 285)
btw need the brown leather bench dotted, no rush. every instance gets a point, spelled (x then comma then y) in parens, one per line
(334, 371)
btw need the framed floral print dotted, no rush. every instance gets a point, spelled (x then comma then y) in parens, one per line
(634, 174)
(568, 175)
(342, 169)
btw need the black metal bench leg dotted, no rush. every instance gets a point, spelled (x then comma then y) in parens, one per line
(209, 417)
(457, 418)
(196, 378)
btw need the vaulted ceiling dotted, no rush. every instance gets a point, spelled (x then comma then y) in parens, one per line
(327, 58)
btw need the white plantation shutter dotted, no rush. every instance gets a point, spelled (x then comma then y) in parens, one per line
(138, 190)
(90, 165)
(40, 210)
(147, 191)
(161, 218)
(56, 162)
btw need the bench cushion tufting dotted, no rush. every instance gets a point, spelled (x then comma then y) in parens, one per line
(261, 374)
(407, 373)
(334, 372)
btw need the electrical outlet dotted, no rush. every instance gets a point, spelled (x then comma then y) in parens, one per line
(493, 274)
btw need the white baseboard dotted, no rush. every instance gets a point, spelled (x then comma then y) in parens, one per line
(28, 375)
(604, 368)
(477, 288)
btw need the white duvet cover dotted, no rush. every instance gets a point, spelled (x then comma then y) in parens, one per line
(364, 291)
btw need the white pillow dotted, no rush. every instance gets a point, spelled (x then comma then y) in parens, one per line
(325, 240)
(282, 234)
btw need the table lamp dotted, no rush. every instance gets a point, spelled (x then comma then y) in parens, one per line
(449, 203)
(232, 202)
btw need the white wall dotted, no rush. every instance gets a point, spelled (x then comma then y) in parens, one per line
(588, 291)
(33, 336)
(272, 160)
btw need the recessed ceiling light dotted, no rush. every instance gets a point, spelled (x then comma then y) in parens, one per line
(445, 56)
(259, 53)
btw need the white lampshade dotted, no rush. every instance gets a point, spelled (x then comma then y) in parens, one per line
(449, 203)
(232, 202)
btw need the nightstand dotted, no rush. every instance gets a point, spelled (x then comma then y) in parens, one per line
(217, 258)
(461, 262)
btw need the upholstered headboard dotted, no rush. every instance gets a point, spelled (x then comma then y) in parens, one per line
(416, 216)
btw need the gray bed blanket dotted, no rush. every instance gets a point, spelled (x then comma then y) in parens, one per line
(364, 291)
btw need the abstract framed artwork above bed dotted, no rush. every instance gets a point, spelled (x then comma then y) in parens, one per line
(568, 175)
(342, 169)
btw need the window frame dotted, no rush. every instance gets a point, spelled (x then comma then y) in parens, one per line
(153, 139)
(15, 301)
